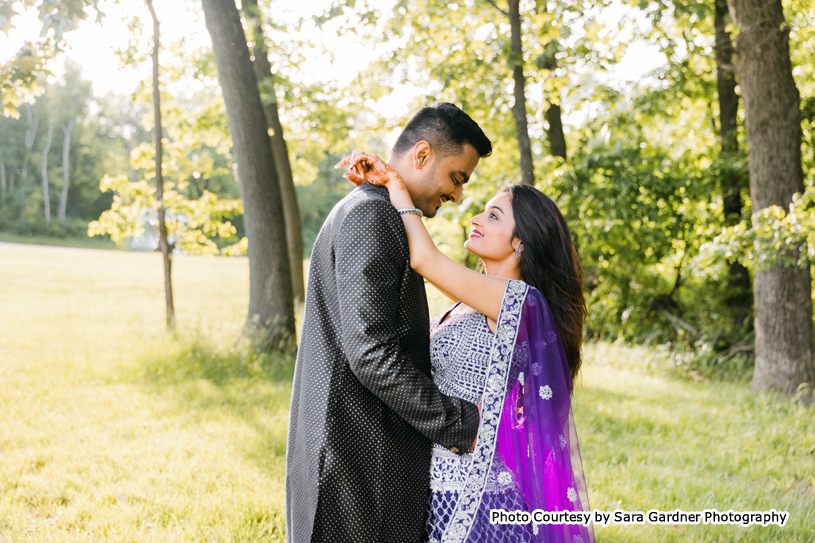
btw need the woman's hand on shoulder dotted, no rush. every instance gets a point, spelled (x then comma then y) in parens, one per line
(366, 167)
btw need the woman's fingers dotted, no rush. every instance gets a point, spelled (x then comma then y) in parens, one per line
(366, 167)
(350, 159)
(355, 179)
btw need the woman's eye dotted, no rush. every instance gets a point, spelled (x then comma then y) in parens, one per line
(493, 216)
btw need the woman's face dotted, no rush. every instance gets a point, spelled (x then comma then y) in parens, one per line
(491, 238)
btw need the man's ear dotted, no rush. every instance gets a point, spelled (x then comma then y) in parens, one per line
(422, 155)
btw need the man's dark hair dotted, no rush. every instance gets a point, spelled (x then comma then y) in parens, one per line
(446, 128)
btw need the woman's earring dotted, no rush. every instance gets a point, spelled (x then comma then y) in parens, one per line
(518, 250)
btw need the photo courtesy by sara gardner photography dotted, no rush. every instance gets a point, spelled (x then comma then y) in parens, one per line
(407, 271)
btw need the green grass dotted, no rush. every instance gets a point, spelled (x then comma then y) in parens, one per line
(80, 242)
(111, 430)
(651, 440)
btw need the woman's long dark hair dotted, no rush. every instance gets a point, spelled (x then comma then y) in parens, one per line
(550, 263)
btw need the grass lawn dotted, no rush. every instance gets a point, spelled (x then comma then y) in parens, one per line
(83, 242)
(111, 430)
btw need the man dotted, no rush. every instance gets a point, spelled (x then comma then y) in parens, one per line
(365, 410)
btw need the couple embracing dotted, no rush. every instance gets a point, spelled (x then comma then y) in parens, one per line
(406, 429)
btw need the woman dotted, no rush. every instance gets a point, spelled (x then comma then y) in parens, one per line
(511, 344)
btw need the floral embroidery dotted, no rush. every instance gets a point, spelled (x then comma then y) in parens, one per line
(460, 350)
(577, 539)
(545, 392)
(536, 369)
(562, 442)
(496, 382)
(571, 494)
(491, 406)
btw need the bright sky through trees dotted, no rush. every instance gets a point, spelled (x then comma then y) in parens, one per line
(93, 46)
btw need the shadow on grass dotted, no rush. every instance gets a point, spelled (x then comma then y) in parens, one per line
(687, 446)
(195, 357)
(237, 382)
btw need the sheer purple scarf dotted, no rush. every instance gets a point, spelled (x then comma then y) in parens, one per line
(527, 421)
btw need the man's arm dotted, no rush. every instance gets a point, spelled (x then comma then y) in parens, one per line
(369, 271)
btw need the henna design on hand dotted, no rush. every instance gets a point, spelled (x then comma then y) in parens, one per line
(366, 167)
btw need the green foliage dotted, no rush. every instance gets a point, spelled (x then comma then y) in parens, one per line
(196, 167)
(72, 227)
(642, 188)
(775, 237)
(95, 147)
(20, 78)
(192, 225)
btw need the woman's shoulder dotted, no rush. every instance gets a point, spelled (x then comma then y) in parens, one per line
(531, 295)
(516, 288)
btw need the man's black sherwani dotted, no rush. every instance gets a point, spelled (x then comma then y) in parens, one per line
(364, 409)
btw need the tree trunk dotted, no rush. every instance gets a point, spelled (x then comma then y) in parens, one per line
(554, 132)
(557, 140)
(3, 186)
(783, 294)
(45, 196)
(271, 313)
(291, 213)
(166, 251)
(519, 107)
(30, 133)
(31, 130)
(66, 149)
(134, 174)
(739, 290)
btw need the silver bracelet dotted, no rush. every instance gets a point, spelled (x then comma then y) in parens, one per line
(410, 211)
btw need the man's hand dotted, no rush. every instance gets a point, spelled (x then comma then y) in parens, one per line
(472, 445)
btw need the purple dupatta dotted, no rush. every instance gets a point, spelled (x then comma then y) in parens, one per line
(526, 420)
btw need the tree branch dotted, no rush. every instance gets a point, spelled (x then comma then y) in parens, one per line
(493, 4)
(678, 323)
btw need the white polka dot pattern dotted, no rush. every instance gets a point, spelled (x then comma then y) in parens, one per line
(364, 410)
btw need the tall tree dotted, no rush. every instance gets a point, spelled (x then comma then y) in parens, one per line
(46, 199)
(166, 250)
(739, 292)
(519, 91)
(3, 187)
(554, 129)
(67, 129)
(265, 76)
(271, 311)
(557, 139)
(30, 134)
(547, 60)
(785, 347)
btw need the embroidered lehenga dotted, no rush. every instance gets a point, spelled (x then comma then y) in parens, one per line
(527, 456)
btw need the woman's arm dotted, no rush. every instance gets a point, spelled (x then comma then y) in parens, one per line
(481, 292)
(447, 294)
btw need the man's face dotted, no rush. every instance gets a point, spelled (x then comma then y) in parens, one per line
(444, 180)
